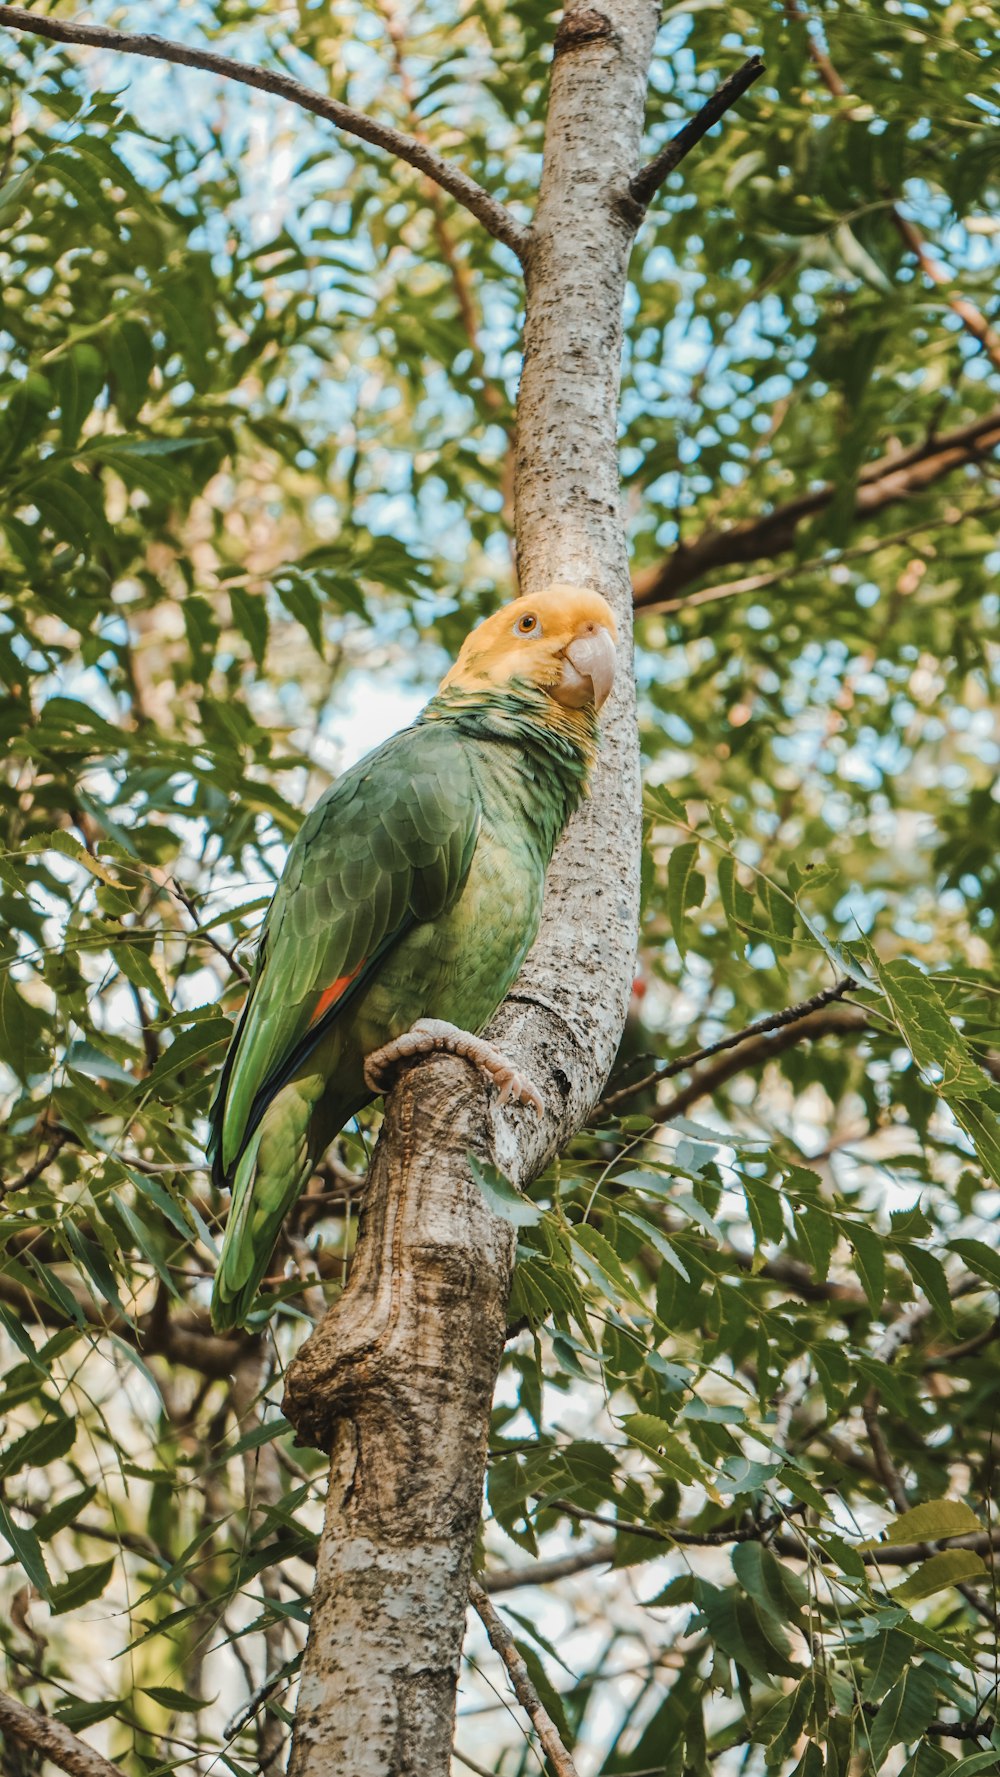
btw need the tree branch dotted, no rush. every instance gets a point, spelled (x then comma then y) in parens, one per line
(54, 1147)
(545, 1573)
(649, 178)
(180, 893)
(488, 210)
(835, 1021)
(502, 1642)
(897, 476)
(53, 1740)
(184, 1339)
(724, 1537)
(774, 1021)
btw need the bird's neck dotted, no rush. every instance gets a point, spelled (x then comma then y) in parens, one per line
(540, 751)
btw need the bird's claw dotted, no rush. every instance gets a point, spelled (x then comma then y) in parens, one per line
(433, 1036)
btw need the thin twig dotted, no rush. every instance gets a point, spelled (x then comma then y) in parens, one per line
(833, 1021)
(942, 1360)
(545, 1573)
(762, 1026)
(150, 1041)
(488, 210)
(649, 178)
(58, 1141)
(54, 1740)
(502, 1643)
(178, 890)
(721, 1538)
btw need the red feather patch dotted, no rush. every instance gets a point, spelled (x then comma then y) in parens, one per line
(331, 994)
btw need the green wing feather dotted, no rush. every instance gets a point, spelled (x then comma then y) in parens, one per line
(388, 845)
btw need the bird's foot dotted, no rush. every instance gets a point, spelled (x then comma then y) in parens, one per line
(432, 1036)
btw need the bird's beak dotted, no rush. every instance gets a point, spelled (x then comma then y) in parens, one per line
(588, 669)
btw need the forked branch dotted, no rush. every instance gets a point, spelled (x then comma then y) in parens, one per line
(488, 210)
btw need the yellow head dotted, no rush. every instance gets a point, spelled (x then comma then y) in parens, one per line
(562, 641)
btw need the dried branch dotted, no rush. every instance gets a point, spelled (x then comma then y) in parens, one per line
(895, 477)
(502, 1642)
(774, 1021)
(647, 181)
(493, 215)
(470, 1763)
(53, 1740)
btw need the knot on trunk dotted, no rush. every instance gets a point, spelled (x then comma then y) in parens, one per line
(584, 25)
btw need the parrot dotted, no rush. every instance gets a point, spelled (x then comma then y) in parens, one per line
(409, 899)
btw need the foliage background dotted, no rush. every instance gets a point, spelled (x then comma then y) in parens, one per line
(257, 394)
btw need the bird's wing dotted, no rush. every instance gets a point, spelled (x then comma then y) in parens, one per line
(388, 845)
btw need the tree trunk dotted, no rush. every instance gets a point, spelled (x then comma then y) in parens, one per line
(398, 1380)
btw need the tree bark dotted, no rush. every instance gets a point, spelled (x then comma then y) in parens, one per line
(398, 1380)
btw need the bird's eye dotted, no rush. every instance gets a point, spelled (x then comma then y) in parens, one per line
(526, 625)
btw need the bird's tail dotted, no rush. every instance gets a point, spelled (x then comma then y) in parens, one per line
(271, 1174)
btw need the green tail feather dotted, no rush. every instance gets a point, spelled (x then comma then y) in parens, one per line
(261, 1199)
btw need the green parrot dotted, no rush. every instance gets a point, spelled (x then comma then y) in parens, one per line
(408, 902)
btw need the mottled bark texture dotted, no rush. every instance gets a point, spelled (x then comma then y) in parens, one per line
(397, 1381)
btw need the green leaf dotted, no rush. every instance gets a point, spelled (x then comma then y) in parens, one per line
(764, 1208)
(136, 964)
(976, 1762)
(502, 1197)
(43, 1444)
(931, 1521)
(180, 1702)
(27, 1550)
(659, 1440)
(923, 1021)
(734, 1622)
(903, 1713)
(982, 1126)
(65, 1511)
(945, 1569)
(737, 902)
(591, 1244)
(869, 1250)
(775, 1587)
(83, 1586)
(250, 618)
(70, 848)
(647, 1229)
(928, 1273)
(685, 888)
(980, 1258)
